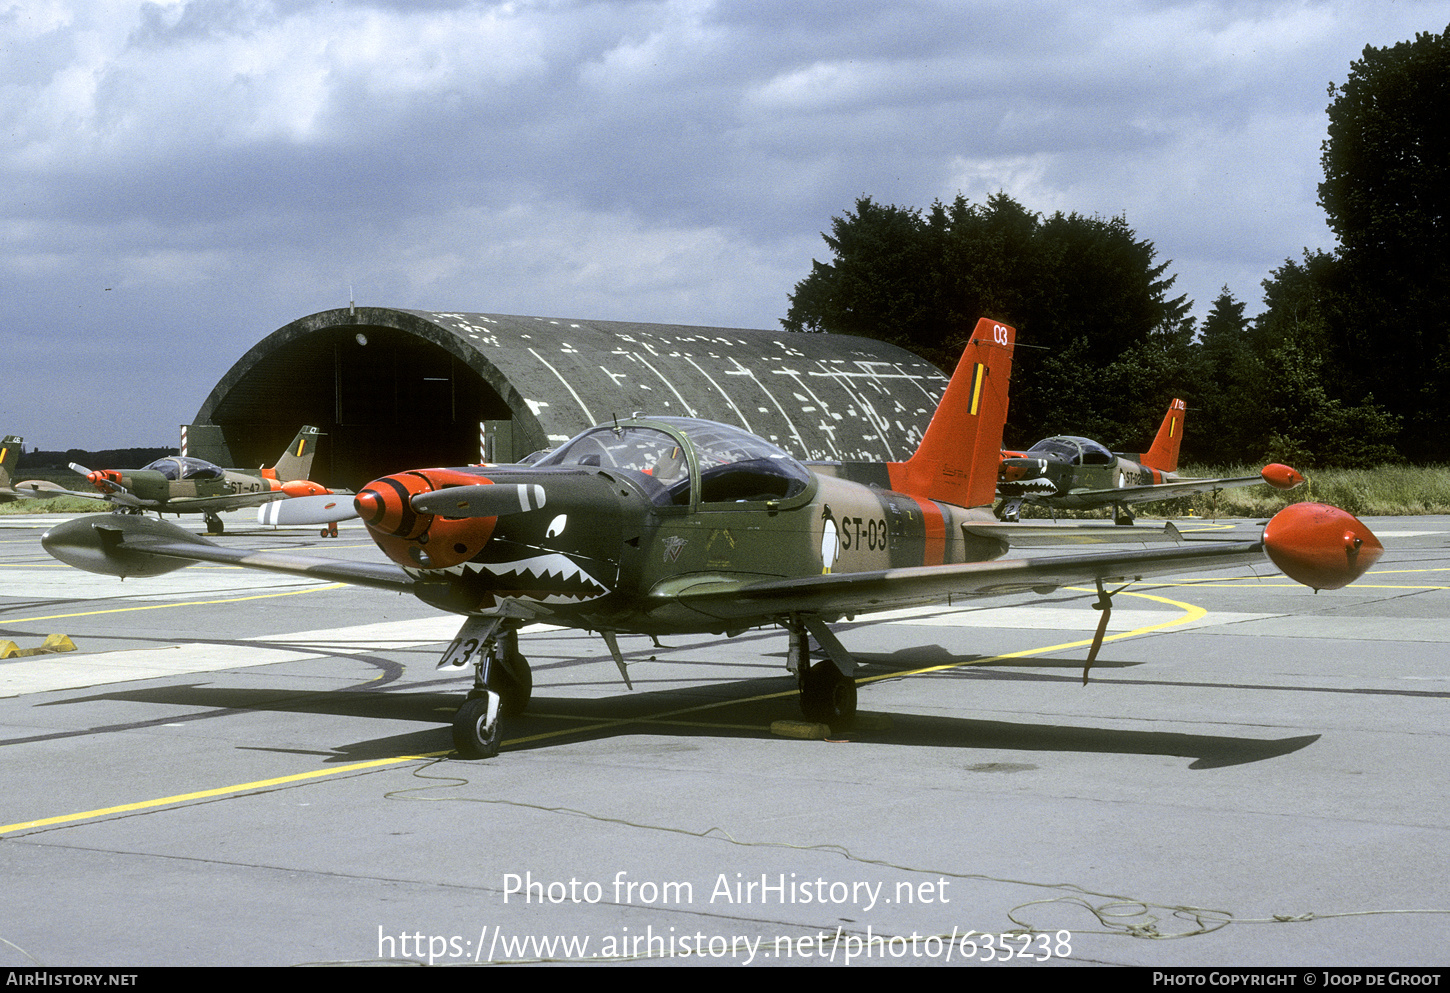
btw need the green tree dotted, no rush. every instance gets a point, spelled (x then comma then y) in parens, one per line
(881, 282)
(1309, 418)
(1085, 293)
(1227, 418)
(1386, 194)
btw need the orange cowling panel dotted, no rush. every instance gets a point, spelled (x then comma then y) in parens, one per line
(421, 540)
(1320, 546)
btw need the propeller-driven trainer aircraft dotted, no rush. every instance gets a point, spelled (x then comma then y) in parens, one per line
(1066, 472)
(26, 489)
(180, 484)
(674, 525)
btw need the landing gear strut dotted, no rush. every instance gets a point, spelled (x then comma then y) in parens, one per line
(827, 689)
(502, 685)
(214, 524)
(1010, 510)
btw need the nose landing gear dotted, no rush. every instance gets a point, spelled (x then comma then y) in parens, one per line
(502, 684)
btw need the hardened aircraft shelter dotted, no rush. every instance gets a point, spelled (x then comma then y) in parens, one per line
(401, 389)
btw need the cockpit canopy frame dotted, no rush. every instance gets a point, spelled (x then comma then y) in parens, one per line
(1073, 451)
(686, 461)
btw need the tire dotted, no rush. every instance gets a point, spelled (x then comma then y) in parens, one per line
(828, 696)
(472, 736)
(513, 680)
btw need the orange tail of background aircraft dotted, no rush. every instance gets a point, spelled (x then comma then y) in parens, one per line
(1163, 456)
(957, 459)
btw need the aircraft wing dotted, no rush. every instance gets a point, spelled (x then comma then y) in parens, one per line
(128, 545)
(122, 499)
(1028, 533)
(1161, 491)
(1321, 547)
(233, 501)
(844, 594)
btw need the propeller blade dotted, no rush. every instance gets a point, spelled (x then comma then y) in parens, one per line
(483, 500)
(327, 508)
(108, 489)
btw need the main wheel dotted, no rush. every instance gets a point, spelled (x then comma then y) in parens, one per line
(474, 735)
(515, 683)
(828, 696)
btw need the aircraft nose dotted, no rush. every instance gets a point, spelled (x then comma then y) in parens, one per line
(383, 504)
(1017, 469)
(422, 538)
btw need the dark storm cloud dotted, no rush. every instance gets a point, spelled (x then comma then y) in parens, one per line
(179, 179)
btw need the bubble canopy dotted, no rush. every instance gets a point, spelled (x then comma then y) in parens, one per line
(186, 467)
(1073, 450)
(672, 458)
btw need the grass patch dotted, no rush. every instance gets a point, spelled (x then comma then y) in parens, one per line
(55, 505)
(1380, 491)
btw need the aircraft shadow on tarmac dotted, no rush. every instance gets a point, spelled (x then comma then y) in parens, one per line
(740, 709)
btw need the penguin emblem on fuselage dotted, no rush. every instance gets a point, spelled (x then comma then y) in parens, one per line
(830, 543)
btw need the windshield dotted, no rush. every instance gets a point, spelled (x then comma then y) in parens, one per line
(638, 449)
(1077, 451)
(185, 467)
(734, 465)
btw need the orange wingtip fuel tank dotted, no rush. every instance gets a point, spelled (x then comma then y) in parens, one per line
(1280, 476)
(304, 487)
(421, 540)
(1320, 546)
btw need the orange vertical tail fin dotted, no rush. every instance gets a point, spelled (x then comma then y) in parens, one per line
(1163, 456)
(956, 461)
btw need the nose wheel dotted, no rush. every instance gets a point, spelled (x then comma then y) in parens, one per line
(502, 686)
(476, 726)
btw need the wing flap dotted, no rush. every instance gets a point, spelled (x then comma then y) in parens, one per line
(1029, 533)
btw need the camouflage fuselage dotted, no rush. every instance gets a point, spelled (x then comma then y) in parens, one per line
(613, 549)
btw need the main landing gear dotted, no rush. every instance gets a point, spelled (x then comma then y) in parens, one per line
(214, 523)
(827, 689)
(502, 684)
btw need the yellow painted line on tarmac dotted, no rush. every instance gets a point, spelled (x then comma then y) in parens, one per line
(1190, 613)
(179, 603)
(260, 784)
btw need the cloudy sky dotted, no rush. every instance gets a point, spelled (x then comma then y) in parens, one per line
(179, 179)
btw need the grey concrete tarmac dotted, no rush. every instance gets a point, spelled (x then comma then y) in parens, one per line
(237, 769)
